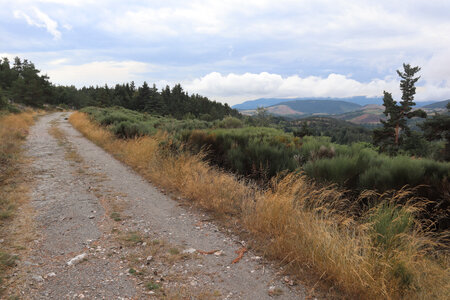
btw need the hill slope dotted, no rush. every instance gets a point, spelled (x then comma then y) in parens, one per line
(437, 105)
(310, 107)
(266, 102)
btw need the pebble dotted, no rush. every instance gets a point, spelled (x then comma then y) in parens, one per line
(51, 274)
(189, 251)
(37, 278)
(76, 259)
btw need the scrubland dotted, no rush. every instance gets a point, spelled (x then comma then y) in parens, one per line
(371, 247)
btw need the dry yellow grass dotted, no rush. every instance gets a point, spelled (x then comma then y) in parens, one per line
(14, 231)
(300, 224)
(13, 131)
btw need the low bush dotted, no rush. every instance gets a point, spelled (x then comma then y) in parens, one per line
(126, 123)
(231, 122)
(362, 168)
(258, 152)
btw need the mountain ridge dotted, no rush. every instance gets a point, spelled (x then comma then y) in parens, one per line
(361, 100)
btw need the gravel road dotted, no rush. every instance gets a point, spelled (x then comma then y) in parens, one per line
(106, 233)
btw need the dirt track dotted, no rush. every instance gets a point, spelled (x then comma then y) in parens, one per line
(137, 242)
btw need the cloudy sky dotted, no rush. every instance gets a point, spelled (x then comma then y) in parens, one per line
(235, 50)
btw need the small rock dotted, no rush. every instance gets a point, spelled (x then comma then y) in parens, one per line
(288, 281)
(51, 274)
(218, 253)
(37, 278)
(76, 259)
(189, 251)
(256, 258)
(149, 259)
(91, 217)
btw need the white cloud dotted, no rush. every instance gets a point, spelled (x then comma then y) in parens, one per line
(235, 88)
(97, 73)
(41, 20)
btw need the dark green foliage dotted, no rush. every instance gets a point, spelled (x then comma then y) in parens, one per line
(23, 84)
(3, 101)
(363, 168)
(127, 129)
(395, 128)
(341, 132)
(438, 128)
(257, 152)
(304, 130)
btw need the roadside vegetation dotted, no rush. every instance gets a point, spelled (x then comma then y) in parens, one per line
(13, 131)
(382, 250)
(260, 153)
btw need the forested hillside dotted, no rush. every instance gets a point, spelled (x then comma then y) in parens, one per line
(22, 83)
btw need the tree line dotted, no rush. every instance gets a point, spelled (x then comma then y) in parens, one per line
(21, 82)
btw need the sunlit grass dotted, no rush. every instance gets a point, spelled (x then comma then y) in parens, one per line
(13, 131)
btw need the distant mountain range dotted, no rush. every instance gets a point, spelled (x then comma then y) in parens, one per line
(361, 100)
(313, 107)
(266, 102)
(437, 105)
(358, 113)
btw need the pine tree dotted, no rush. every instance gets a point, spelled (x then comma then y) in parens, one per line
(156, 102)
(395, 128)
(142, 97)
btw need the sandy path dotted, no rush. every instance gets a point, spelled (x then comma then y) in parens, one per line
(137, 241)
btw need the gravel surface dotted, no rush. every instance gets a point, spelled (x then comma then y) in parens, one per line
(106, 233)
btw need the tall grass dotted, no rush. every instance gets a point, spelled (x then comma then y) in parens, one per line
(382, 254)
(13, 131)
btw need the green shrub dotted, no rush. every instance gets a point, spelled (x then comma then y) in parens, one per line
(3, 102)
(128, 124)
(127, 129)
(251, 151)
(231, 122)
(358, 167)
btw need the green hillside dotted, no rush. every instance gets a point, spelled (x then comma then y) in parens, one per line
(437, 105)
(329, 107)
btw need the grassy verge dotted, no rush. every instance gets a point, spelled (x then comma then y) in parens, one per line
(383, 254)
(13, 131)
